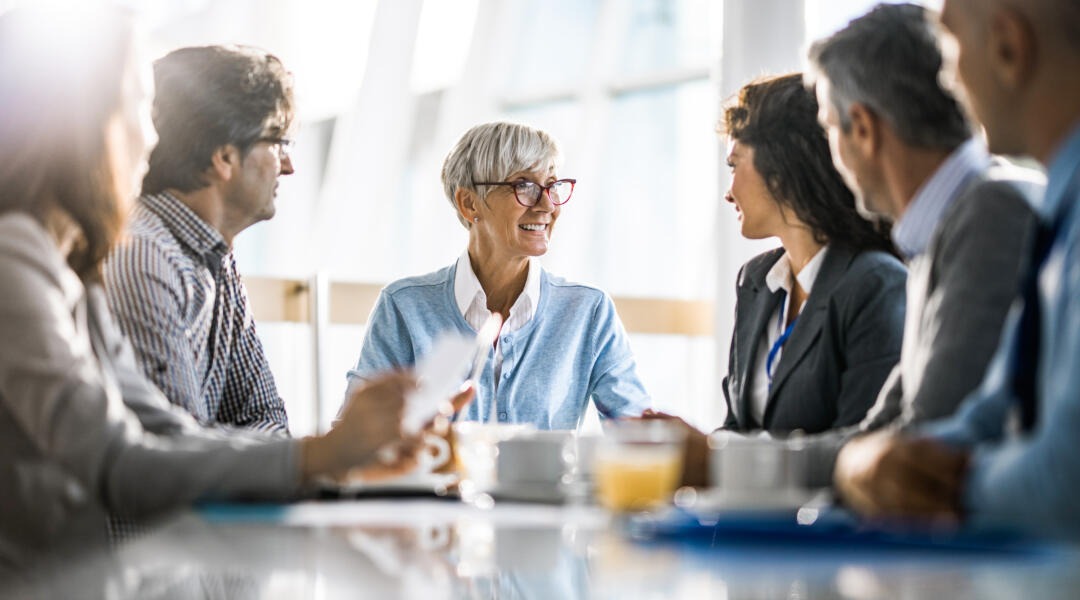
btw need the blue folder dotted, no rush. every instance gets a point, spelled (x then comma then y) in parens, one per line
(833, 528)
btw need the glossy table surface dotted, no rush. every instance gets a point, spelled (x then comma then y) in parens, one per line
(433, 548)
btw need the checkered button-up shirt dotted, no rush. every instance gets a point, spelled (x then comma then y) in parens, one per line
(173, 287)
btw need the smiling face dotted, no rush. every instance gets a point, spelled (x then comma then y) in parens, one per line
(509, 229)
(839, 141)
(131, 132)
(760, 215)
(126, 139)
(859, 173)
(254, 190)
(970, 54)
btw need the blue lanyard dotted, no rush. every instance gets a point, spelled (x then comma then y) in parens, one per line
(779, 343)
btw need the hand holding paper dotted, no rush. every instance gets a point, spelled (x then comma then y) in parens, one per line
(440, 372)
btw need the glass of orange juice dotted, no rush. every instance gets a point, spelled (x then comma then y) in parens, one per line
(638, 464)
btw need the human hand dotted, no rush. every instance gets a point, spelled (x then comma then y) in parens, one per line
(884, 475)
(401, 458)
(370, 419)
(440, 425)
(695, 452)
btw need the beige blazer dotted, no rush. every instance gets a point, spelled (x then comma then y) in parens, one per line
(959, 293)
(82, 434)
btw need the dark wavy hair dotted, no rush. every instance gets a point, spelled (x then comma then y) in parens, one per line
(61, 82)
(777, 117)
(208, 97)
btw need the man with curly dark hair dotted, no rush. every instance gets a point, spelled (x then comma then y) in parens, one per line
(223, 114)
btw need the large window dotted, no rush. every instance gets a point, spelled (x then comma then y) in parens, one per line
(626, 87)
(631, 88)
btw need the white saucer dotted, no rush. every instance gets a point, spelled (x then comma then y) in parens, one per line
(546, 492)
(410, 482)
(720, 501)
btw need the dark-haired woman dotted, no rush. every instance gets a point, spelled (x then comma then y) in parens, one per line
(819, 320)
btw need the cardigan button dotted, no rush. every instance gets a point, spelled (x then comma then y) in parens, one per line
(502, 416)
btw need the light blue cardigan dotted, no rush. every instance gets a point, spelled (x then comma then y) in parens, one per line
(572, 349)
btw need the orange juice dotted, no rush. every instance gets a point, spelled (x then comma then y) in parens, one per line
(637, 478)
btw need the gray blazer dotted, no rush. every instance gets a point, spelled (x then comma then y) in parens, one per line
(844, 344)
(82, 433)
(959, 292)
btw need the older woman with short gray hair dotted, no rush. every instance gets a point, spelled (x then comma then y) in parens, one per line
(561, 343)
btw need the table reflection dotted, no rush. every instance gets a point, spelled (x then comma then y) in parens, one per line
(439, 549)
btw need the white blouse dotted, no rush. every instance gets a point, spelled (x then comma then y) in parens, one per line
(778, 278)
(472, 302)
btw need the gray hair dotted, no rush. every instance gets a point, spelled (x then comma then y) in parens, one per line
(889, 60)
(493, 152)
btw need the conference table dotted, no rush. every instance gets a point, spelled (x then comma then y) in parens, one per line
(438, 548)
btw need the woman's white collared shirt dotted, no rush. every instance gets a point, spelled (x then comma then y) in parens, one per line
(472, 302)
(778, 278)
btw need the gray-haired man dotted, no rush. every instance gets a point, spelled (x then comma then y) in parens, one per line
(1010, 457)
(962, 220)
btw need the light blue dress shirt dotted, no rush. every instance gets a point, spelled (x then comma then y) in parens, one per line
(1031, 481)
(573, 349)
(917, 225)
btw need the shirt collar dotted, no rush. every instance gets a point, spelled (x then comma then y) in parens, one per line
(779, 276)
(466, 284)
(189, 229)
(1063, 172)
(468, 292)
(915, 228)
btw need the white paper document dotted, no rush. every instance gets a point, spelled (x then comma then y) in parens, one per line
(440, 372)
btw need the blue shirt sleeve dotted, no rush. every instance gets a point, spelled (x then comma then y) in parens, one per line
(1030, 480)
(387, 343)
(614, 385)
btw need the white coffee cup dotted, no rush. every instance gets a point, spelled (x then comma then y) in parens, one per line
(476, 445)
(537, 457)
(747, 465)
(434, 453)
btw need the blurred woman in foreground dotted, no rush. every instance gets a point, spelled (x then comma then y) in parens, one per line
(82, 433)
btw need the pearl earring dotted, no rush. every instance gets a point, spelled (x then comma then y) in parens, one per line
(476, 219)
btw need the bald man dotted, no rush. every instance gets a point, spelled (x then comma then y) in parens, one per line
(1011, 456)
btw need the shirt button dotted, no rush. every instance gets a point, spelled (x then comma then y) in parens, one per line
(502, 416)
(506, 339)
(74, 493)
